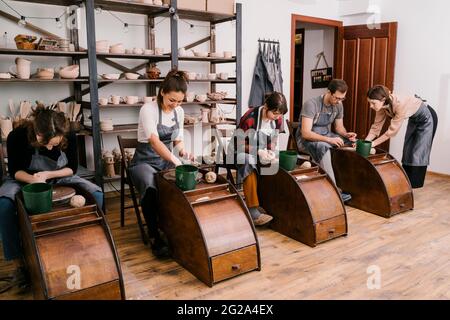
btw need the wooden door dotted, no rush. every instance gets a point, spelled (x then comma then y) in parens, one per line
(365, 57)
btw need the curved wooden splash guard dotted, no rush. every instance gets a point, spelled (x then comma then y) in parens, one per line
(70, 253)
(209, 229)
(305, 204)
(378, 184)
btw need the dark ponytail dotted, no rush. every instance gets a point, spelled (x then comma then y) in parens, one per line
(380, 92)
(174, 81)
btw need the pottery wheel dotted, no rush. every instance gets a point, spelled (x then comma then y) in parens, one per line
(62, 194)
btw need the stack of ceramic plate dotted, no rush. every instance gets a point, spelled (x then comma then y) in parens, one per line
(106, 125)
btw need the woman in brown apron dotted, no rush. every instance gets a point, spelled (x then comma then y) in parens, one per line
(422, 125)
(41, 150)
(160, 129)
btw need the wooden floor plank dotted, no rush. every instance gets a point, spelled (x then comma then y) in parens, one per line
(411, 250)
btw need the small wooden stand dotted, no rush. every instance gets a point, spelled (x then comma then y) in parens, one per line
(305, 204)
(70, 253)
(378, 184)
(209, 229)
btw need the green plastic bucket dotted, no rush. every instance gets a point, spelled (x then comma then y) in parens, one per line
(363, 147)
(186, 177)
(288, 160)
(37, 197)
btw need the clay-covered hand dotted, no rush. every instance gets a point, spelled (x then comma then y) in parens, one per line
(42, 176)
(351, 136)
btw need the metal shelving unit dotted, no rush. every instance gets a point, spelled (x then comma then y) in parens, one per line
(94, 82)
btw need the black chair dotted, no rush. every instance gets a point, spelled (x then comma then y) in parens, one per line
(125, 179)
(292, 142)
(221, 153)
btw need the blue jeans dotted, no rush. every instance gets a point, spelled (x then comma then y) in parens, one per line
(9, 229)
(9, 226)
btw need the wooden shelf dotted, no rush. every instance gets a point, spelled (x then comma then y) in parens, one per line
(125, 105)
(19, 52)
(43, 81)
(208, 59)
(225, 101)
(132, 81)
(52, 2)
(230, 80)
(132, 7)
(165, 57)
(212, 17)
(121, 128)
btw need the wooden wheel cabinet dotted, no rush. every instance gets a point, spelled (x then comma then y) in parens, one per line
(378, 184)
(305, 204)
(67, 243)
(209, 229)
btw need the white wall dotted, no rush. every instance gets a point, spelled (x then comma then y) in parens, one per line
(422, 64)
(316, 40)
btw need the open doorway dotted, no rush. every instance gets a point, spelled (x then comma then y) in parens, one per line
(310, 37)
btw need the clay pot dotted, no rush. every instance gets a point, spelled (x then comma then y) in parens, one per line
(69, 72)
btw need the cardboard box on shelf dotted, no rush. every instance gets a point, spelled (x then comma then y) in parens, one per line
(220, 6)
(199, 5)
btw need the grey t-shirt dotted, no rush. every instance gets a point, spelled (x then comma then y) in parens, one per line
(312, 108)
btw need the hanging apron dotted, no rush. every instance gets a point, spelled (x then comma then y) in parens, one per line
(40, 163)
(418, 138)
(247, 163)
(320, 126)
(146, 162)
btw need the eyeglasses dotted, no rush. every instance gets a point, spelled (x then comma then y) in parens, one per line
(338, 98)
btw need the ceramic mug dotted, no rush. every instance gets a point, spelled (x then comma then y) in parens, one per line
(103, 101)
(131, 99)
(148, 99)
(115, 99)
(159, 51)
(22, 69)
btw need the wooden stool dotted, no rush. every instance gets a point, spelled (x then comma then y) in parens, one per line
(378, 184)
(126, 179)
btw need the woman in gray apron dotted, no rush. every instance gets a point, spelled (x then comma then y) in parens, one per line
(35, 154)
(422, 125)
(314, 135)
(265, 122)
(160, 127)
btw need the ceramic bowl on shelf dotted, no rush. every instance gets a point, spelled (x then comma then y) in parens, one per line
(69, 72)
(106, 125)
(216, 54)
(131, 99)
(228, 54)
(212, 76)
(159, 51)
(190, 96)
(148, 52)
(102, 46)
(201, 97)
(138, 51)
(201, 76)
(45, 73)
(103, 101)
(148, 99)
(111, 76)
(117, 49)
(201, 54)
(223, 76)
(5, 75)
(217, 95)
(192, 75)
(131, 76)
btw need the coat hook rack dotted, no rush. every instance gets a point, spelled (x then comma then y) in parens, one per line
(269, 41)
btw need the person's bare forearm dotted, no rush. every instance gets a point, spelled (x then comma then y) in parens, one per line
(22, 176)
(312, 136)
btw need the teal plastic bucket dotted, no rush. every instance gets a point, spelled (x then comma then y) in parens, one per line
(186, 177)
(288, 160)
(363, 147)
(37, 197)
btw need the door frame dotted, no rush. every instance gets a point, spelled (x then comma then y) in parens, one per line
(338, 25)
